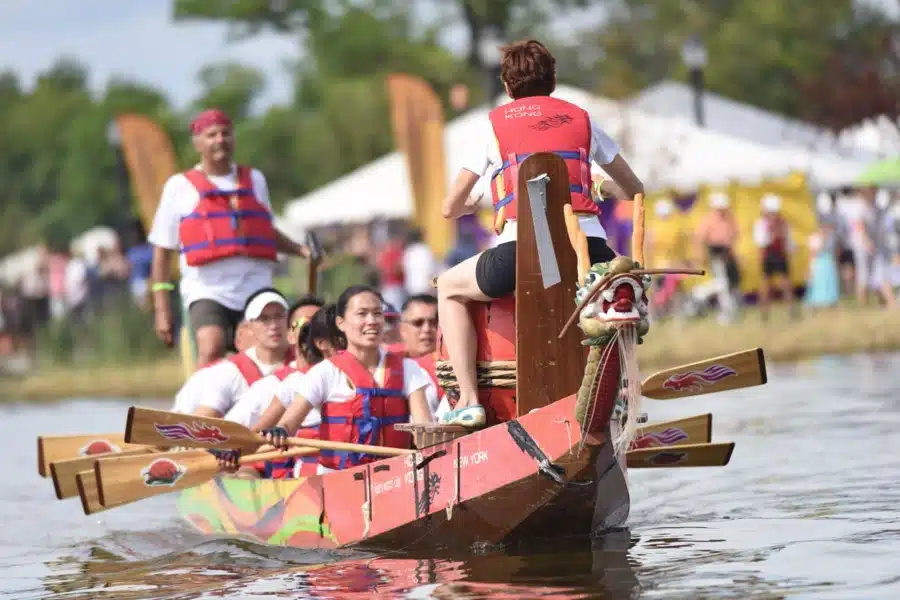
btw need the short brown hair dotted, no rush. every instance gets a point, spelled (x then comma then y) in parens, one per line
(528, 69)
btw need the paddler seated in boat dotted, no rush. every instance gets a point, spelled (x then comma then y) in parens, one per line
(250, 406)
(361, 392)
(229, 379)
(393, 340)
(187, 398)
(218, 217)
(418, 329)
(318, 339)
(299, 314)
(533, 122)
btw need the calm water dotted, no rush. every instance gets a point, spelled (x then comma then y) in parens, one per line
(808, 508)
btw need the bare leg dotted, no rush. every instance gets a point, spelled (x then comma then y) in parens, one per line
(210, 344)
(787, 290)
(456, 288)
(764, 291)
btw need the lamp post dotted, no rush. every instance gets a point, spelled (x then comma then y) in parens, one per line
(693, 53)
(489, 53)
(114, 138)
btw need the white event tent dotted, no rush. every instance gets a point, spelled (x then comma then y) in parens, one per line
(664, 150)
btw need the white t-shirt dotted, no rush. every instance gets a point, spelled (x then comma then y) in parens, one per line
(326, 383)
(229, 281)
(254, 403)
(419, 266)
(603, 151)
(77, 287)
(287, 391)
(260, 395)
(220, 386)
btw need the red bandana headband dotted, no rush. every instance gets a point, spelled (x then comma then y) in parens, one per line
(208, 118)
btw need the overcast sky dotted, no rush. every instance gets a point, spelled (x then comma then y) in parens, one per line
(136, 38)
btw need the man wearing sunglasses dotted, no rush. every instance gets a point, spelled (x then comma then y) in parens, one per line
(418, 329)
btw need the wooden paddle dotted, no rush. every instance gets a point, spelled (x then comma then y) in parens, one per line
(52, 448)
(87, 491)
(162, 428)
(690, 430)
(687, 455)
(729, 372)
(125, 479)
(315, 259)
(64, 471)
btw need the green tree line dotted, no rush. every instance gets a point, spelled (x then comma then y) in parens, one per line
(829, 62)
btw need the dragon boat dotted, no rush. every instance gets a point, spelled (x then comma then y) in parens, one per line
(563, 412)
(564, 422)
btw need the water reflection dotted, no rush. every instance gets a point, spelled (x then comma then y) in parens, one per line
(238, 569)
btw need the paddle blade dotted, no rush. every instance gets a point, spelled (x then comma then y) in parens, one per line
(87, 491)
(688, 455)
(52, 448)
(64, 471)
(121, 480)
(163, 428)
(728, 372)
(690, 430)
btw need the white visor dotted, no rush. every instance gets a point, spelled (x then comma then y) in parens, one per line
(256, 306)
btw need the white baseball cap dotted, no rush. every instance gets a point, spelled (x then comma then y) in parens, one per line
(771, 202)
(261, 301)
(663, 207)
(719, 200)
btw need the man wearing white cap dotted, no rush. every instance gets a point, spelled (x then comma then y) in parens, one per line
(228, 380)
(717, 234)
(772, 235)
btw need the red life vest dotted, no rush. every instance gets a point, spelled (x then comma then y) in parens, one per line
(541, 124)
(224, 224)
(778, 236)
(248, 368)
(426, 361)
(369, 417)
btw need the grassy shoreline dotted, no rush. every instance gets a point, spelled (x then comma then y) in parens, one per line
(840, 331)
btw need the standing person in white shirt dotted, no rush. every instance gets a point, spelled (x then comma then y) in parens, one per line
(419, 265)
(229, 380)
(218, 217)
(533, 122)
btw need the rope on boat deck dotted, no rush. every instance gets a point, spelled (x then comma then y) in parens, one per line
(495, 374)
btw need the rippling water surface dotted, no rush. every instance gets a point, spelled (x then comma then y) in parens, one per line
(808, 508)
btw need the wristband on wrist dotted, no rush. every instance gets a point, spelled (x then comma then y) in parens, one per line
(162, 286)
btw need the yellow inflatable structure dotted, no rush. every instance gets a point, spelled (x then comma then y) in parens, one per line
(671, 238)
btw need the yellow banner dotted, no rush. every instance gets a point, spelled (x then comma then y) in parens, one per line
(417, 118)
(150, 159)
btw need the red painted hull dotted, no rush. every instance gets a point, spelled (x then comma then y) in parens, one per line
(483, 487)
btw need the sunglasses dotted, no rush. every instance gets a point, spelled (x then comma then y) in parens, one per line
(421, 322)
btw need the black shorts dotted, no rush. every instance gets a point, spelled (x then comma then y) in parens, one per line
(845, 258)
(204, 313)
(495, 272)
(732, 272)
(775, 264)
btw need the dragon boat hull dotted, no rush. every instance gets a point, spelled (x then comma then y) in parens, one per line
(528, 477)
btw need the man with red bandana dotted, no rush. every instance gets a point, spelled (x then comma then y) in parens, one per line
(218, 217)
